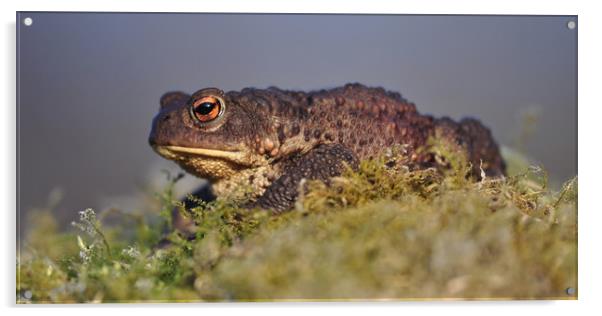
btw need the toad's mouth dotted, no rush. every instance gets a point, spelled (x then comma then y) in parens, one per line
(178, 153)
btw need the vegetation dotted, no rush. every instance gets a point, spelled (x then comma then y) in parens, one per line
(381, 232)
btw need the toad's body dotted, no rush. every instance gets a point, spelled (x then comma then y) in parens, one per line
(269, 140)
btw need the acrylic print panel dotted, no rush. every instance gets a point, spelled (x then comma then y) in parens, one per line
(274, 157)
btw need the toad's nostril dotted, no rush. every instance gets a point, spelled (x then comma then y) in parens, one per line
(152, 141)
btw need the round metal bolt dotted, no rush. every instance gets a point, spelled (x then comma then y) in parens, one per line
(570, 291)
(571, 25)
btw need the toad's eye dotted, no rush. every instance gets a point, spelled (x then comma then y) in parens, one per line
(207, 109)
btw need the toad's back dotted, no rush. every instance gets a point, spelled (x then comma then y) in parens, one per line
(369, 120)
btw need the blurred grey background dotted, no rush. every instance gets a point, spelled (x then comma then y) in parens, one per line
(89, 84)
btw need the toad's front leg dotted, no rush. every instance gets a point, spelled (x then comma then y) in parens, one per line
(320, 163)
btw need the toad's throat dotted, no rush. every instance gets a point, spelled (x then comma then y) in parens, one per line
(179, 153)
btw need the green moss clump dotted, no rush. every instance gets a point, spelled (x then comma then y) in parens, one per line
(380, 232)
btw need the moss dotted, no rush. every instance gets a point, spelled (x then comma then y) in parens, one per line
(382, 231)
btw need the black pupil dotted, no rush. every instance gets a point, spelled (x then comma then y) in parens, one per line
(204, 108)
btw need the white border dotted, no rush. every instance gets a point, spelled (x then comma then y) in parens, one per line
(589, 156)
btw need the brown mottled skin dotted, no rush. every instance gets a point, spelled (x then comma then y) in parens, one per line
(271, 139)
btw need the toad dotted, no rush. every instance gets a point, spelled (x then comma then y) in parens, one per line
(269, 140)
